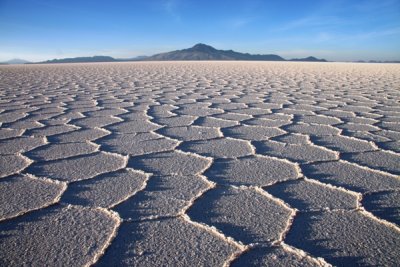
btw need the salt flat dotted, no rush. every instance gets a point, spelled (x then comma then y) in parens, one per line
(200, 164)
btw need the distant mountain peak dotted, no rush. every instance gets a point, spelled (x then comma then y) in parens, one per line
(82, 59)
(202, 48)
(202, 51)
(309, 59)
(17, 61)
(199, 51)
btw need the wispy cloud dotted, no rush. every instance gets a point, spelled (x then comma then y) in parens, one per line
(376, 34)
(356, 36)
(238, 22)
(373, 5)
(171, 7)
(311, 22)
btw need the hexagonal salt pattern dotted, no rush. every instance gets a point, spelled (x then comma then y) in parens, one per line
(200, 164)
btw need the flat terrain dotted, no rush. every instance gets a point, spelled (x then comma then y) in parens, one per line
(200, 164)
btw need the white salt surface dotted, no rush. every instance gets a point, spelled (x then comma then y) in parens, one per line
(200, 164)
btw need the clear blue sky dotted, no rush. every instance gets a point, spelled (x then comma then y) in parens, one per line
(337, 30)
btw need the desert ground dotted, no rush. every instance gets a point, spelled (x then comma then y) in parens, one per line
(200, 164)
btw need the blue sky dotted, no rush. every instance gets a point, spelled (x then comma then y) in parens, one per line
(336, 30)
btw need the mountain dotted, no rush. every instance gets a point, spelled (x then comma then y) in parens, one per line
(309, 59)
(197, 52)
(138, 58)
(82, 59)
(387, 61)
(206, 52)
(16, 61)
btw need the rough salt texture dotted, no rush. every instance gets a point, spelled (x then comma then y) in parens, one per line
(20, 194)
(253, 170)
(273, 256)
(12, 164)
(61, 151)
(106, 190)
(78, 168)
(166, 195)
(168, 242)
(384, 204)
(338, 237)
(219, 207)
(200, 164)
(64, 236)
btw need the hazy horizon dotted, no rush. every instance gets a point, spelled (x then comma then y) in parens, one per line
(38, 30)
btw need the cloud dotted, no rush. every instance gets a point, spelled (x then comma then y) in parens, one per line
(171, 8)
(238, 22)
(374, 6)
(356, 36)
(311, 22)
(376, 34)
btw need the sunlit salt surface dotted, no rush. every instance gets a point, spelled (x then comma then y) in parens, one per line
(200, 164)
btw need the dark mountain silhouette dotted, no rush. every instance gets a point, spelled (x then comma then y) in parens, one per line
(206, 52)
(309, 59)
(197, 52)
(138, 58)
(82, 59)
(387, 61)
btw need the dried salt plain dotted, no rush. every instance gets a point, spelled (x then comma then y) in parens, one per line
(200, 164)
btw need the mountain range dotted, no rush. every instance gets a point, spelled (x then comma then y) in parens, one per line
(206, 52)
(197, 52)
(82, 59)
(16, 61)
